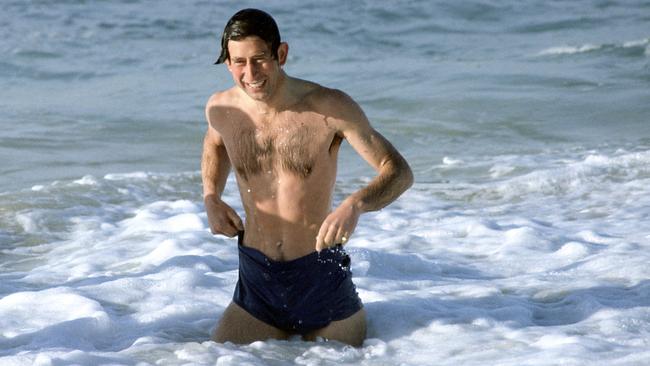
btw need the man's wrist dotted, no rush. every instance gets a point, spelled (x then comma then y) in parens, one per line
(357, 204)
(210, 196)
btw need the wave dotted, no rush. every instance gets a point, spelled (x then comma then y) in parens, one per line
(585, 23)
(632, 48)
(563, 50)
(611, 178)
(596, 172)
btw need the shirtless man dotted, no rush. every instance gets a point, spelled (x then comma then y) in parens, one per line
(282, 136)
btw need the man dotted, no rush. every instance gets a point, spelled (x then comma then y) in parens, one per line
(282, 136)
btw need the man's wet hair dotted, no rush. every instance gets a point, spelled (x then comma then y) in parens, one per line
(250, 22)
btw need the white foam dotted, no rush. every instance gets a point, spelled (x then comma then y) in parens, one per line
(555, 340)
(28, 222)
(573, 250)
(451, 161)
(499, 170)
(569, 50)
(535, 263)
(87, 180)
(163, 216)
(588, 47)
(637, 43)
(54, 313)
(575, 176)
(127, 176)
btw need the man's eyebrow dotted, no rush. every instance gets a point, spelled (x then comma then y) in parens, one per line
(257, 55)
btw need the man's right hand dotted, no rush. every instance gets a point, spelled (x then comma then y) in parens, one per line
(221, 217)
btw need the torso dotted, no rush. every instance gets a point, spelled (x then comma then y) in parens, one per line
(285, 164)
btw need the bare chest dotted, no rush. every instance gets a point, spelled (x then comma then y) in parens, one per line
(284, 144)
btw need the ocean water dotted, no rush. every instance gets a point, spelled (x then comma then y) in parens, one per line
(525, 239)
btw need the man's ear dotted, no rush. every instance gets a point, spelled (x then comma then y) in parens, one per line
(283, 51)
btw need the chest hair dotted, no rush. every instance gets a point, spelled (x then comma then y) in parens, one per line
(291, 149)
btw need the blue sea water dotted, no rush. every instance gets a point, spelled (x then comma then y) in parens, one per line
(524, 241)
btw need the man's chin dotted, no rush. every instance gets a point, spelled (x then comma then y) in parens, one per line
(258, 95)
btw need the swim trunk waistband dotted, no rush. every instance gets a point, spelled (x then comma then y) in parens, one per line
(301, 262)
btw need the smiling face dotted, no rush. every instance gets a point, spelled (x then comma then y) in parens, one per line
(253, 67)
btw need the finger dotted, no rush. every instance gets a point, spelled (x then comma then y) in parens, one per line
(227, 229)
(320, 243)
(236, 220)
(342, 236)
(228, 226)
(216, 226)
(232, 231)
(329, 237)
(213, 228)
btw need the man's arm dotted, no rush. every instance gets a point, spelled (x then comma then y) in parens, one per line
(393, 177)
(215, 167)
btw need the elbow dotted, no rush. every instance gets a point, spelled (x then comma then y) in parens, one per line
(406, 176)
(402, 175)
(409, 178)
(404, 172)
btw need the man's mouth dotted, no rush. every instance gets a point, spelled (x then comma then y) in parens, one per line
(256, 84)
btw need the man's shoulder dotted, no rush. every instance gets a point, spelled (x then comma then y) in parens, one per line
(320, 96)
(222, 109)
(221, 98)
(343, 112)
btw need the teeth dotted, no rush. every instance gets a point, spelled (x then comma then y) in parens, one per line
(256, 84)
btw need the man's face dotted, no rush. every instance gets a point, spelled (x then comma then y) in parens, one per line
(253, 67)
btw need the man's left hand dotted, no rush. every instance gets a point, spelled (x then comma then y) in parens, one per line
(338, 226)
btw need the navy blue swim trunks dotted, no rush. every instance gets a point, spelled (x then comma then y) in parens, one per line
(299, 295)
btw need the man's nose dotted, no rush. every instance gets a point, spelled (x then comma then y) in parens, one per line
(250, 70)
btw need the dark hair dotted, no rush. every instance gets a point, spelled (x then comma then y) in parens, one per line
(250, 22)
